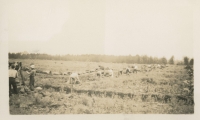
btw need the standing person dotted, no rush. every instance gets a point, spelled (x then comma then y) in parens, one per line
(32, 74)
(12, 76)
(18, 67)
(20, 72)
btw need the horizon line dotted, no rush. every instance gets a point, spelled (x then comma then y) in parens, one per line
(102, 54)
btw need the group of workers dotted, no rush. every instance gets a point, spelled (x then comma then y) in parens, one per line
(13, 75)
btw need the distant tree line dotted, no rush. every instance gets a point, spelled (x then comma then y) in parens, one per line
(144, 59)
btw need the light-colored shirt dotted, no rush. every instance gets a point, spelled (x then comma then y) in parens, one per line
(136, 67)
(74, 75)
(13, 73)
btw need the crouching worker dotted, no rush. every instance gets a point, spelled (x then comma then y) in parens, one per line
(32, 74)
(73, 78)
(12, 76)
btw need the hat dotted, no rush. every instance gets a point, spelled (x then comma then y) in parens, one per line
(32, 66)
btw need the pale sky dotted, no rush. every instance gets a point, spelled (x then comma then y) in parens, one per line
(114, 27)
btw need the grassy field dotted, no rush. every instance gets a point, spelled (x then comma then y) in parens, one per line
(160, 91)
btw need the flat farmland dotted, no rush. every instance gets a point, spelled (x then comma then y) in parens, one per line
(160, 91)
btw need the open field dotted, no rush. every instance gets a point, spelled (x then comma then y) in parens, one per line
(160, 91)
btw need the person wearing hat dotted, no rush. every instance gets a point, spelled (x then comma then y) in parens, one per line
(12, 76)
(32, 74)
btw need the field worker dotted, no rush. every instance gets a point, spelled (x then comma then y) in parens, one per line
(109, 73)
(32, 77)
(18, 67)
(135, 68)
(74, 76)
(99, 73)
(101, 67)
(127, 71)
(12, 76)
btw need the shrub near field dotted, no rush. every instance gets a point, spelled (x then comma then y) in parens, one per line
(155, 92)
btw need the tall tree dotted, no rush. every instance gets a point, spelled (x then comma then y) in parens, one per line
(163, 60)
(151, 60)
(186, 60)
(155, 59)
(171, 60)
(137, 58)
(192, 61)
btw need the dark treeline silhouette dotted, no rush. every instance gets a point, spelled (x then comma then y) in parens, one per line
(188, 61)
(144, 59)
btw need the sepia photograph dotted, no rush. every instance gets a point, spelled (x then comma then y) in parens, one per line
(99, 57)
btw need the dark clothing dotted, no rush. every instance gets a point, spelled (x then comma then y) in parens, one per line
(22, 76)
(135, 70)
(120, 72)
(101, 67)
(13, 84)
(32, 79)
(32, 73)
(127, 71)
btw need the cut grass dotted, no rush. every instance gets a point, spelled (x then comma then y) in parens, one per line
(51, 100)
